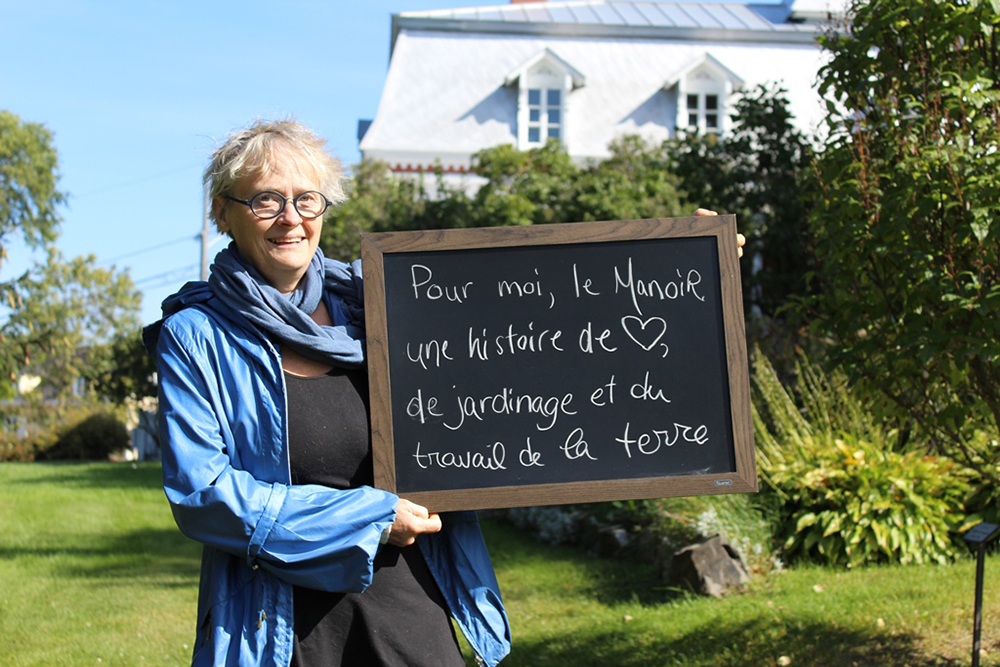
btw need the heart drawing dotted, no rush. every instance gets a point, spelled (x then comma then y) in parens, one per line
(646, 333)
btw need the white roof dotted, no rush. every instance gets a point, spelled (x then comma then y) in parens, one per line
(609, 17)
(447, 92)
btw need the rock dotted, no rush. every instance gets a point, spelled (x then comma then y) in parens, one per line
(610, 540)
(708, 568)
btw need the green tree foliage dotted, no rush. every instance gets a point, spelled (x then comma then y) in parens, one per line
(121, 369)
(907, 227)
(760, 171)
(29, 196)
(68, 311)
(378, 201)
(539, 186)
(543, 185)
(57, 308)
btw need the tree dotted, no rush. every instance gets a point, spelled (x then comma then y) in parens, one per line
(636, 181)
(377, 201)
(538, 186)
(29, 196)
(761, 172)
(907, 227)
(121, 370)
(76, 308)
(58, 308)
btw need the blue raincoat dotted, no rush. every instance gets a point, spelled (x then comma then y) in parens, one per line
(226, 475)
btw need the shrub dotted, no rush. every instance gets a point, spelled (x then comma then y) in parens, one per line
(96, 437)
(983, 503)
(850, 503)
(844, 496)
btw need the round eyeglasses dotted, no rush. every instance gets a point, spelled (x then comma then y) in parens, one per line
(269, 204)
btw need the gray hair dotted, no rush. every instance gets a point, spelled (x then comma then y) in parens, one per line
(251, 151)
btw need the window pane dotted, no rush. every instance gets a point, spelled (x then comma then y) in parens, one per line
(554, 132)
(711, 101)
(554, 97)
(555, 116)
(534, 96)
(711, 121)
(534, 135)
(534, 115)
(692, 120)
(693, 102)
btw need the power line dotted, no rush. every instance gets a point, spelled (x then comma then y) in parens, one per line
(133, 253)
(167, 277)
(139, 181)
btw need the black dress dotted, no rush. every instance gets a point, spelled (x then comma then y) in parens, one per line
(401, 619)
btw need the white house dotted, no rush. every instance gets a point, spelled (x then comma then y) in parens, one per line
(586, 72)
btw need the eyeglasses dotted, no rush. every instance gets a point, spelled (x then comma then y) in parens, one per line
(269, 204)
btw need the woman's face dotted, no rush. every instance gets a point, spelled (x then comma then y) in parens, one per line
(280, 248)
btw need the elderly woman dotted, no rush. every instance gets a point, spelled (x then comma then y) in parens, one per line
(267, 460)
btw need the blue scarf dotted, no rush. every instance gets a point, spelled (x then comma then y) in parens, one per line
(283, 318)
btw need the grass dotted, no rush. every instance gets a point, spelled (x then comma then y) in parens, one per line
(93, 572)
(571, 609)
(92, 569)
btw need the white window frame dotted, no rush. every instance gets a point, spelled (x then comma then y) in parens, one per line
(704, 111)
(704, 95)
(540, 117)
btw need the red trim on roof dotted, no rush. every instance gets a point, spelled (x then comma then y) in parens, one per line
(420, 168)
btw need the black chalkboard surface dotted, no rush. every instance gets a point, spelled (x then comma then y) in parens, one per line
(561, 363)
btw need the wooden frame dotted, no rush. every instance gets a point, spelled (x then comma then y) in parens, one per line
(379, 248)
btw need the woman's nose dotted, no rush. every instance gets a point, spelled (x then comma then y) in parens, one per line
(289, 216)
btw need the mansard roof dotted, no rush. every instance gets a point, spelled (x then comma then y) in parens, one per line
(792, 21)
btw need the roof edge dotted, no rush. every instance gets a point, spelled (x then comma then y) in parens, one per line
(797, 34)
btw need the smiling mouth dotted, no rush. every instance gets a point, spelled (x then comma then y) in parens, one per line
(285, 242)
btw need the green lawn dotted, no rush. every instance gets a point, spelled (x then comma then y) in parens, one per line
(93, 572)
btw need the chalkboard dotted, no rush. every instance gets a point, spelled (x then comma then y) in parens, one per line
(557, 364)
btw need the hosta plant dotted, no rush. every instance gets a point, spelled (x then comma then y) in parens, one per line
(849, 502)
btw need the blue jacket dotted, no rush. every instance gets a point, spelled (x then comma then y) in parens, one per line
(226, 475)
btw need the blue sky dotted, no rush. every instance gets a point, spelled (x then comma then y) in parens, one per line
(138, 93)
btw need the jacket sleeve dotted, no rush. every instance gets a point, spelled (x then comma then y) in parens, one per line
(308, 535)
(460, 564)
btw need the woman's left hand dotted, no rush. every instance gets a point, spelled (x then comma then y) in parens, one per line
(740, 239)
(412, 520)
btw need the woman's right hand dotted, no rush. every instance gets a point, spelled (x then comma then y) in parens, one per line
(412, 520)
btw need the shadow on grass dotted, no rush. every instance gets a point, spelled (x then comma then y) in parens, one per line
(161, 555)
(96, 475)
(608, 580)
(751, 644)
(759, 642)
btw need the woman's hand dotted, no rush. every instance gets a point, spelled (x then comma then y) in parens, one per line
(412, 520)
(740, 239)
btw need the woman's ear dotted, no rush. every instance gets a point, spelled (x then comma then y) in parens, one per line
(219, 213)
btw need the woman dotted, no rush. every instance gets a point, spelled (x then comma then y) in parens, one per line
(266, 453)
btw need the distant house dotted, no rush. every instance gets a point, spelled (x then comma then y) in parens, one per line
(584, 72)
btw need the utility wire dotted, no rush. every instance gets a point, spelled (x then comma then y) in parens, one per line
(145, 179)
(168, 277)
(133, 253)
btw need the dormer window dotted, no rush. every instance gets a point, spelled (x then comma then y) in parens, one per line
(703, 113)
(545, 115)
(544, 86)
(704, 89)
